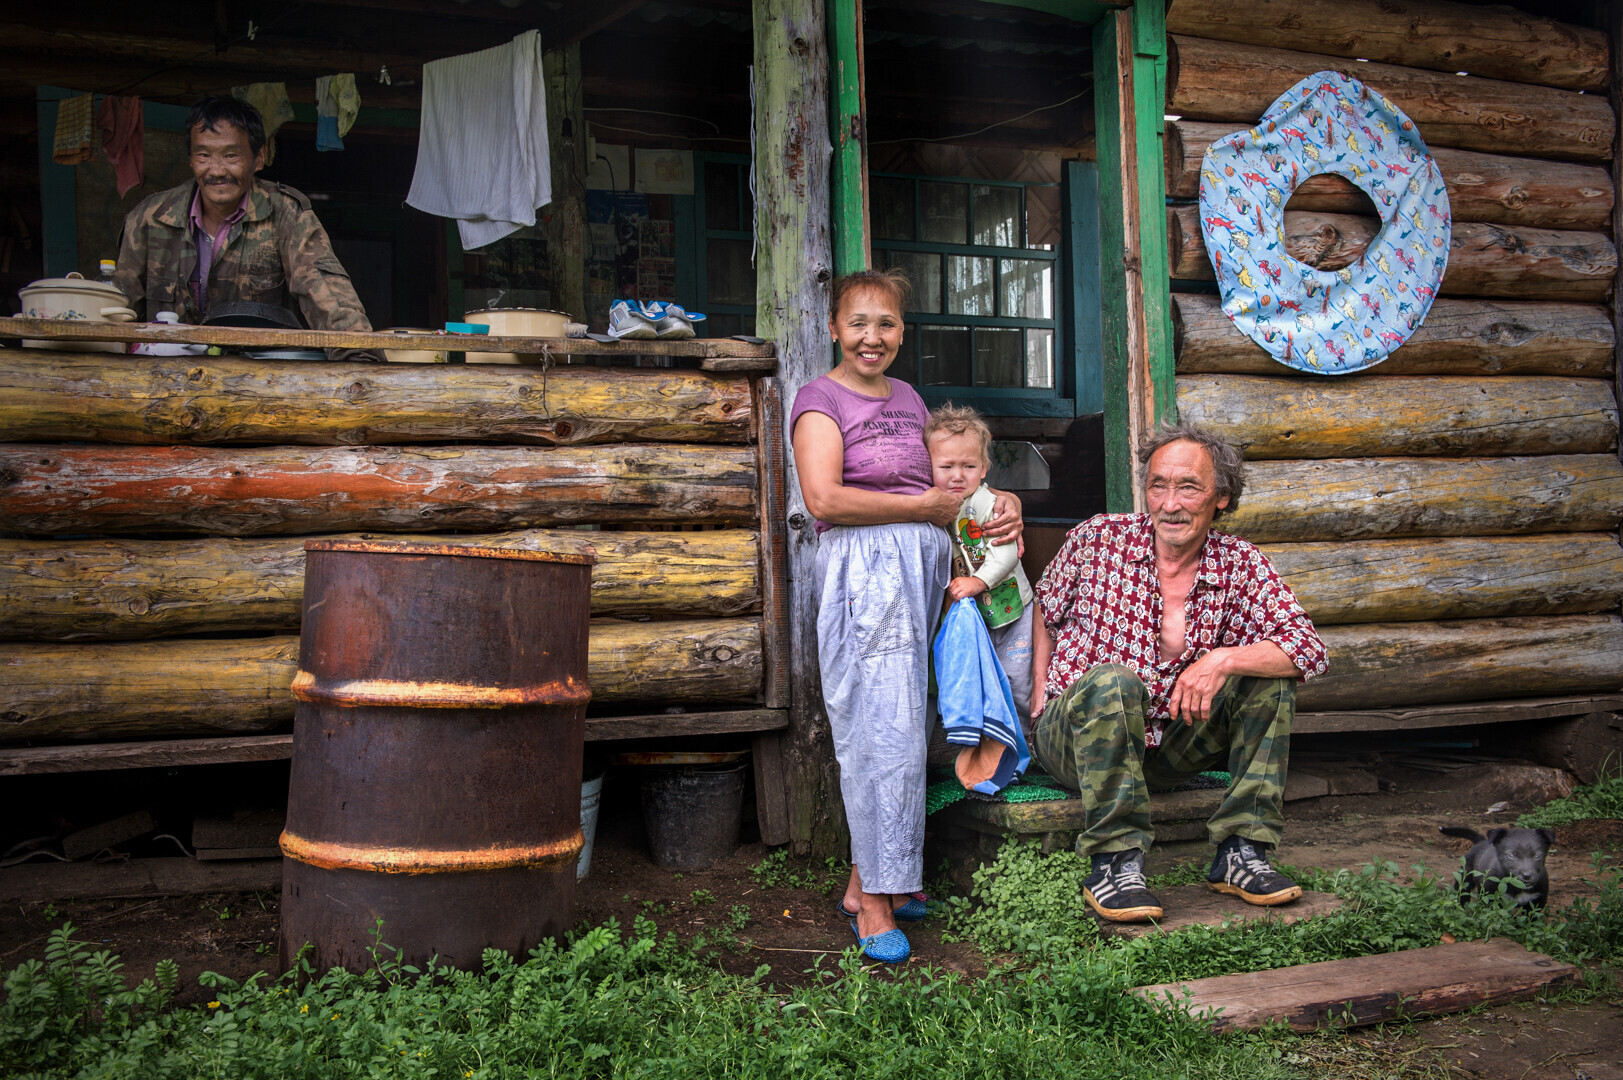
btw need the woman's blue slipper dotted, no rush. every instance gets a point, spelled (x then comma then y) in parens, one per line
(912, 911)
(891, 947)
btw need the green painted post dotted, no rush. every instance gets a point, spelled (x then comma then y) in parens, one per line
(849, 188)
(1148, 81)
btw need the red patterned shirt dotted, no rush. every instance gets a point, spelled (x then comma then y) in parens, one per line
(1101, 598)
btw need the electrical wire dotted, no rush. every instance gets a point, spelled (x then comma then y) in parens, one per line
(655, 112)
(989, 127)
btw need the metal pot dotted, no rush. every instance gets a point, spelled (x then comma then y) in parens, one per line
(516, 322)
(76, 299)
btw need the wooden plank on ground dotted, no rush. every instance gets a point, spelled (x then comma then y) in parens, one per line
(1454, 715)
(35, 882)
(1196, 905)
(240, 337)
(1368, 989)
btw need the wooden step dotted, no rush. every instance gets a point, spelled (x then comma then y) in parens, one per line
(1196, 905)
(1368, 989)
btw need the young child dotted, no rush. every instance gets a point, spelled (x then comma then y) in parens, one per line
(960, 444)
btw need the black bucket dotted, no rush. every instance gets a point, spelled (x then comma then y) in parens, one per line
(692, 814)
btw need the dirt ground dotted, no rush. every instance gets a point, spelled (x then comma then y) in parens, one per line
(792, 929)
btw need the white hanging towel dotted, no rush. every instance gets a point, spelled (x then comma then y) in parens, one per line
(482, 154)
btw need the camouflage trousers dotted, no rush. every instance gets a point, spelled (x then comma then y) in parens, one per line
(1091, 738)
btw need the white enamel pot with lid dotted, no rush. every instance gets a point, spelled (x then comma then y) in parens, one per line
(516, 322)
(75, 299)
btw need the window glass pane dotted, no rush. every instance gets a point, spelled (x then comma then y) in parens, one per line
(924, 271)
(997, 216)
(969, 285)
(998, 360)
(1028, 289)
(944, 356)
(1040, 359)
(1042, 217)
(906, 365)
(721, 209)
(946, 212)
(891, 202)
(729, 277)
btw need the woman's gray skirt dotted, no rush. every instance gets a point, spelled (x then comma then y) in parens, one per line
(880, 589)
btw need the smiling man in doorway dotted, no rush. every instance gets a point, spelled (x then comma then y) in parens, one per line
(227, 237)
(1171, 649)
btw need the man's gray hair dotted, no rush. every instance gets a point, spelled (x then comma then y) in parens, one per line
(1227, 463)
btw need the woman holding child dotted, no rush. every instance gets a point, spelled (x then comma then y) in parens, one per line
(880, 576)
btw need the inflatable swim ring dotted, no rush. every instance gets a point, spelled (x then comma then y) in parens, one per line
(1321, 321)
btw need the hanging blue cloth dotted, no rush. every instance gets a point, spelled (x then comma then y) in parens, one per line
(974, 699)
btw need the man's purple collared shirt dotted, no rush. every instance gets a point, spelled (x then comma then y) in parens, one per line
(207, 253)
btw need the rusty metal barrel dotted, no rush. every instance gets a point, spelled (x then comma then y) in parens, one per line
(441, 704)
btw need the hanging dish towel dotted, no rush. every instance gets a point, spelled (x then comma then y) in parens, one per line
(270, 98)
(482, 156)
(337, 105)
(122, 130)
(73, 144)
(973, 695)
(1320, 321)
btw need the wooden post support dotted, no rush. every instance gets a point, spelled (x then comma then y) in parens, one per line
(1129, 87)
(848, 102)
(794, 264)
(1615, 29)
(564, 220)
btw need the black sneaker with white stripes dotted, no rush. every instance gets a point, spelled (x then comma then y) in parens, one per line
(1241, 869)
(1115, 888)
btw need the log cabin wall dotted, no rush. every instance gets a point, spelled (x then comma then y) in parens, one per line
(1449, 519)
(154, 511)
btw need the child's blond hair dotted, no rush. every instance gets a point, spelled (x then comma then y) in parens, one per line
(950, 419)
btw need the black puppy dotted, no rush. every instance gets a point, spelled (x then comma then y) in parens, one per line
(1516, 855)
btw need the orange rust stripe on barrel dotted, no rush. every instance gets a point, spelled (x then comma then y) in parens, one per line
(436, 695)
(327, 855)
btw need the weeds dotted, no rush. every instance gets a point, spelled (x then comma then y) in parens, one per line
(774, 872)
(1602, 799)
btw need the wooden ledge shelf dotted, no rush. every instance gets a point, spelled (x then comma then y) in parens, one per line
(1460, 715)
(715, 354)
(168, 753)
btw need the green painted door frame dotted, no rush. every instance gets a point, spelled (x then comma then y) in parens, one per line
(1134, 339)
(848, 189)
(1129, 92)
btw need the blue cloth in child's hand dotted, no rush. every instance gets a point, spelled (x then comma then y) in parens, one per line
(974, 698)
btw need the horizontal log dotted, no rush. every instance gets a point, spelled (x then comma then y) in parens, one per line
(242, 337)
(50, 490)
(1458, 337)
(1481, 187)
(1220, 80)
(1494, 42)
(100, 590)
(1423, 415)
(1382, 665)
(201, 400)
(1453, 578)
(211, 686)
(1370, 498)
(59, 693)
(1483, 260)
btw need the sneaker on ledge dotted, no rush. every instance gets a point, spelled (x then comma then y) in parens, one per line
(1241, 869)
(1115, 888)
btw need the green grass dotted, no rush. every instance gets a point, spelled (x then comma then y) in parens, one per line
(1602, 799)
(608, 1004)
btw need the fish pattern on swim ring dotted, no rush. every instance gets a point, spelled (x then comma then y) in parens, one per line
(1319, 321)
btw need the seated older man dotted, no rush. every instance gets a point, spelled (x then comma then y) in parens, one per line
(1171, 649)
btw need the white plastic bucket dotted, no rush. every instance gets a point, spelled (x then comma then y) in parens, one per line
(591, 795)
